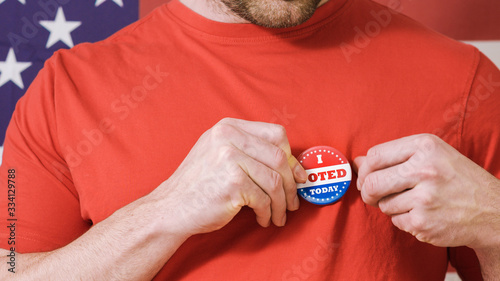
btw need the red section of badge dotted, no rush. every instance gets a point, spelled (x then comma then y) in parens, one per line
(329, 175)
(321, 156)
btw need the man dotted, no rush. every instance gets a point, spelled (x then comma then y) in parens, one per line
(105, 191)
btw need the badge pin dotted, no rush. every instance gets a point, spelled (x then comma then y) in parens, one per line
(328, 175)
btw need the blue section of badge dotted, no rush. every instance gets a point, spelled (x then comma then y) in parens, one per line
(324, 194)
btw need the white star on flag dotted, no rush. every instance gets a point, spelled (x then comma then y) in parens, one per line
(20, 1)
(10, 70)
(117, 2)
(60, 29)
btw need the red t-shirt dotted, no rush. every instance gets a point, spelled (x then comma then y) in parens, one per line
(104, 124)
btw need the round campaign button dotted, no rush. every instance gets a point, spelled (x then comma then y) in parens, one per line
(328, 175)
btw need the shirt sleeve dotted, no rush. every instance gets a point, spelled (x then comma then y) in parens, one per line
(46, 214)
(480, 141)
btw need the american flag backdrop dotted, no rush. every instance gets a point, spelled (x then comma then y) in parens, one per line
(32, 30)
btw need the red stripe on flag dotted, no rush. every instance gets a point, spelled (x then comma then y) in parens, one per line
(459, 19)
(146, 6)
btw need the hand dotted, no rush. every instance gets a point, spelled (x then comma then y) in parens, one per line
(234, 164)
(432, 191)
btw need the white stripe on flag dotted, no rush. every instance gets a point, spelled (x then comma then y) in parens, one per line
(452, 276)
(490, 48)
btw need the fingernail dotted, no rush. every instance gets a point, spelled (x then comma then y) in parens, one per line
(283, 221)
(300, 173)
(296, 202)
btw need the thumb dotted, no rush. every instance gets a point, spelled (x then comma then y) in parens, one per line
(299, 173)
(358, 162)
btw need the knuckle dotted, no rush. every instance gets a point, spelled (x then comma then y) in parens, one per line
(422, 238)
(210, 187)
(221, 130)
(427, 143)
(365, 197)
(275, 182)
(280, 131)
(428, 138)
(406, 170)
(250, 148)
(370, 185)
(261, 202)
(237, 178)
(373, 154)
(277, 133)
(426, 199)
(418, 223)
(427, 172)
(225, 120)
(266, 201)
(399, 223)
(280, 157)
(227, 153)
(384, 206)
(237, 201)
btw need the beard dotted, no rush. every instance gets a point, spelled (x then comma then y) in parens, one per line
(273, 13)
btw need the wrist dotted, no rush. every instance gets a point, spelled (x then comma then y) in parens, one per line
(486, 222)
(164, 215)
(489, 259)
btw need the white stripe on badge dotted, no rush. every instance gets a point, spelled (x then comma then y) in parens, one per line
(327, 175)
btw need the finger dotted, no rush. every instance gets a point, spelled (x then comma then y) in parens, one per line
(243, 189)
(299, 173)
(275, 134)
(273, 157)
(399, 203)
(386, 155)
(270, 182)
(401, 221)
(251, 195)
(358, 162)
(300, 176)
(415, 223)
(383, 183)
(272, 133)
(256, 199)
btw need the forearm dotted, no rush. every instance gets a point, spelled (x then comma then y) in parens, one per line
(490, 263)
(128, 245)
(487, 243)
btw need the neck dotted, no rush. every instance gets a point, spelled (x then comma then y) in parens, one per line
(215, 10)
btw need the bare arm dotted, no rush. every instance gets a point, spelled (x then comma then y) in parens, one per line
(490, 262)
(237, 163)
(487, 244)
(128, 245)
(438, 195)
